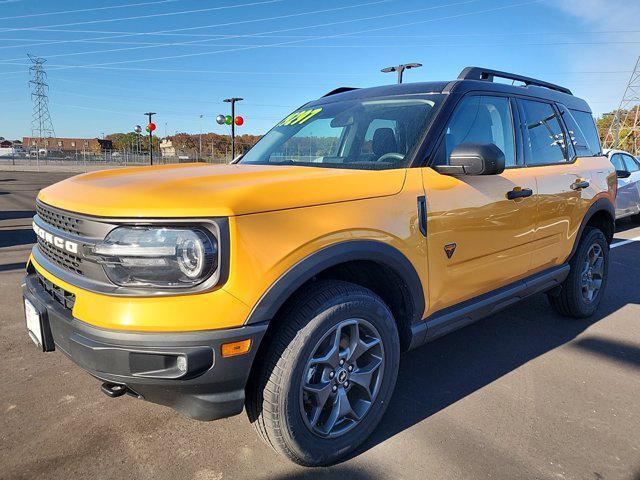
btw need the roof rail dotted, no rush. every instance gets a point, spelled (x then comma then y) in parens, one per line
(478, 73)
(339, 90)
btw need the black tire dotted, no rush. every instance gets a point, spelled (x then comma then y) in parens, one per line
(570, 300)
(275, 399)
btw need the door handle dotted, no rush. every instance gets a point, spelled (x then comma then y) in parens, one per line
(579, 185)
(519, 193)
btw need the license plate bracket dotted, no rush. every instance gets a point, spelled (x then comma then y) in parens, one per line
(38, 328)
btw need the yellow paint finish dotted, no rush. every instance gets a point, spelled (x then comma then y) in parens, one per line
(562, 209)
(493, 235)
(199, 190)
(265, 246)
(206, 311)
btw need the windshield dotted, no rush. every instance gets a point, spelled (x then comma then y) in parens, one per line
(373, 133)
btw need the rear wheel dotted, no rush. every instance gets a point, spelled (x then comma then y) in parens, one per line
(327, 375)
(582, 290)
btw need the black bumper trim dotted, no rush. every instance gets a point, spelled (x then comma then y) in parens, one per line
(212, 386)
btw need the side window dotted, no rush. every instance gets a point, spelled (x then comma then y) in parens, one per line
(617, 161)
(544, 138)
(630, 163)
(577, 136)
(480, 119)
(589, 130)
(385, 126)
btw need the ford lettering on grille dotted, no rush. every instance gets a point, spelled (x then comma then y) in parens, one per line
(58, 242)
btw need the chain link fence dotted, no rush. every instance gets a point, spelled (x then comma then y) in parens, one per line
(93, 161)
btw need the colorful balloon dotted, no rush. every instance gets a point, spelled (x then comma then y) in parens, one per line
(239, 120)
(228, 120)
(220, 119)
(151, 127)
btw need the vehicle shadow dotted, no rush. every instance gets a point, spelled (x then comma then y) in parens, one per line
(625, 224)
(10, 267)
(439, 374)
(17, 236)
(16, 214)
(340, 472)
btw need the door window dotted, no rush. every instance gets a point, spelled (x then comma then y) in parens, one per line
(630, 163)
(480, 119)
(544, 137)
(618, 162)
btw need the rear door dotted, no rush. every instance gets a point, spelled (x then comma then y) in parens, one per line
(477, 238)
(562, 179)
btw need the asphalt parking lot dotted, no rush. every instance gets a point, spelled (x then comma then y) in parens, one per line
(525, 394)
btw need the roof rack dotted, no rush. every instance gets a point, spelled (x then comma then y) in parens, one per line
(339, 90)
(478, 73)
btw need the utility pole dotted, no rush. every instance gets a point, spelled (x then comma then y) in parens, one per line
(41, 125)
(233, 101)
(150, 114)
(627, 117)
(400, 69)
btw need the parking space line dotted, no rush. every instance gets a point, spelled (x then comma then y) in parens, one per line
(625, 242)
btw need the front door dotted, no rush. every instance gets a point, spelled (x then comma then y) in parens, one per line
(477, 238)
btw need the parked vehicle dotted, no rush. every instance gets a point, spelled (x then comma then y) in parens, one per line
(628, 172)
(366, 223)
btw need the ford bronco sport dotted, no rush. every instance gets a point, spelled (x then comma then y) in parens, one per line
(364, 224)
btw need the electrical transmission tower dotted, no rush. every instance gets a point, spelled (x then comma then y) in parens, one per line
(624, 131)
(41, 125)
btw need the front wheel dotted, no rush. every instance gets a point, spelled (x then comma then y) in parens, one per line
(327, 374)
(581, 292)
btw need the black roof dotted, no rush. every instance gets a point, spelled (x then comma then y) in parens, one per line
(468, 81)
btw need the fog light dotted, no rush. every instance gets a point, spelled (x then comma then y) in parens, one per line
(181, 363)
(236, 348)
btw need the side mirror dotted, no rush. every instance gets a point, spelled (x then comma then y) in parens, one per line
(623, 174)
(474, 159)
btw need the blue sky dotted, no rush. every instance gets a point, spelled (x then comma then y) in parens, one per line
(114, 60)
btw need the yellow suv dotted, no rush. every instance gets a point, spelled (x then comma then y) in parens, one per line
(364, 224)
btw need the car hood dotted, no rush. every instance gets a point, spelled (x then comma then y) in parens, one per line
(199, 190)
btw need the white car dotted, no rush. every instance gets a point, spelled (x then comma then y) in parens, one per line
(628, 198)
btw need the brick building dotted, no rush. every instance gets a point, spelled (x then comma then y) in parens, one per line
(68, 145)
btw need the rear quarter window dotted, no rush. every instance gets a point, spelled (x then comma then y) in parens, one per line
(584, 121)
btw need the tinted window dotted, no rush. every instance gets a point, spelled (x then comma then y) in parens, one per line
(630, 163)
(369, 133)
(544, 138)
(577, 135)
(378, 123)
(588, 128)
(617, 161)
(481, 119)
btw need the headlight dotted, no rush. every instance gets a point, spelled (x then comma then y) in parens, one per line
(158, 257)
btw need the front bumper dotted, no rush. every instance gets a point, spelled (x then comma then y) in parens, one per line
(211, 388)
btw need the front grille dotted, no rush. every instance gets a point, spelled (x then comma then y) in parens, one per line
(58, 220)
(61, 258)
(59, 294)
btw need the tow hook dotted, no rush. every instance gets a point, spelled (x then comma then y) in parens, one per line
(113, 390)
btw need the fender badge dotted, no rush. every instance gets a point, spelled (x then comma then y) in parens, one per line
(449, 249)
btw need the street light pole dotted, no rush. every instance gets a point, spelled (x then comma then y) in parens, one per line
(400, 69)
(233, 101)
(200, 140)
(150, 114)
